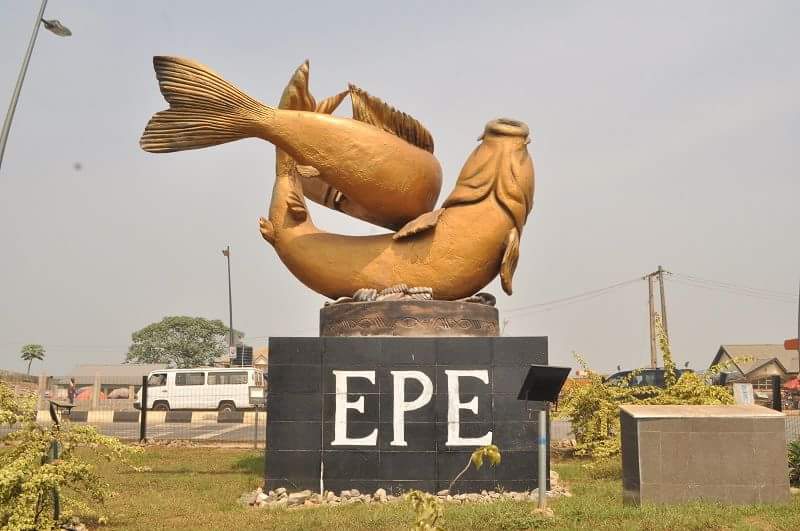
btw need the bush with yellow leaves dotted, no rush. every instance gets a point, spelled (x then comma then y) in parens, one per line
(29, 482)
(593, 408)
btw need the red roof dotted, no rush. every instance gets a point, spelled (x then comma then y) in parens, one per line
(790, 344)
(793, 384)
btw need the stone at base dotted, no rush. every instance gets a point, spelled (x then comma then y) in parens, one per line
(372, 452)
(409, 318)
(274, 500)
(728, 454)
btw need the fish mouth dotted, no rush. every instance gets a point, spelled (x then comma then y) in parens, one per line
(506, 127)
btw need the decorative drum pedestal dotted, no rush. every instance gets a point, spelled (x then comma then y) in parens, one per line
(409, 318)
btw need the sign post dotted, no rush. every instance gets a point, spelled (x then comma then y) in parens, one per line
(743, 393)
(257, 398)
(543, 383)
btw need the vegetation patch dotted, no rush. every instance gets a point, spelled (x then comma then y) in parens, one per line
(199, 488)
(42, 467)
(593, 407)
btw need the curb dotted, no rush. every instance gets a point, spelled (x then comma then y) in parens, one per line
(158, 417)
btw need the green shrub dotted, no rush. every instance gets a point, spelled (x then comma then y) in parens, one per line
(28, 481)
(606, 468)
(593, 408)
(794, 463)
(428, 511)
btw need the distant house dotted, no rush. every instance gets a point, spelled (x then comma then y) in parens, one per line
(251, 357)
(260, 358)
(757, 363)
(122, 374)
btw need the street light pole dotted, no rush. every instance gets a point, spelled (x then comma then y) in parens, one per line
(231, 344)
(52, 25)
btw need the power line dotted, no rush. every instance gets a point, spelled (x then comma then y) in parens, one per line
(734, 292)
(755, 293)
(681, 278)
(580, 297)
(732, 286)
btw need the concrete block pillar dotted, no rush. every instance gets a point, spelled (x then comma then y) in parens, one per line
(42, 391)
(96, 392)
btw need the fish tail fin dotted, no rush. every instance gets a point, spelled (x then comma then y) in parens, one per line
(204, 109)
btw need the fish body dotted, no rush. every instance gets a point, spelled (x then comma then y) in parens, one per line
(379, 172)
(456, 259)
(391, 177)
(371, 167)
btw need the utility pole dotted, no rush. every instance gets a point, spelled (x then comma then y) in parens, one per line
(653, 357)
(663, 300)
(231, 345)
(650, 278)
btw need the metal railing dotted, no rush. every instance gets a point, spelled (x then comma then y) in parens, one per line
(206, 414)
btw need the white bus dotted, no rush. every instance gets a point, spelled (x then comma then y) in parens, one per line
(225, 389)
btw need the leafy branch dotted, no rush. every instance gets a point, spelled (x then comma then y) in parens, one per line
(490, 452)
(428, 508)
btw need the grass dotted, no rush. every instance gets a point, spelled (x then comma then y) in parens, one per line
(198, 488)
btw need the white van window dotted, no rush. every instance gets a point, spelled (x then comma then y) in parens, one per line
(157, 379)
(189, 378)
(221, 378)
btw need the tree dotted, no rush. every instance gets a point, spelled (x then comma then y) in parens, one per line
(32, 352)
(181, 341)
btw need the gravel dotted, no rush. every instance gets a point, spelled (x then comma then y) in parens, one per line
(281, 498)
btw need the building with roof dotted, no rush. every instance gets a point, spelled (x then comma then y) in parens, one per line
(248, 357)
(260, 358)
(120, 373)
(757, 363)
(103, 386)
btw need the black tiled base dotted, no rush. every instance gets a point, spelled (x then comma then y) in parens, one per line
(302, 401)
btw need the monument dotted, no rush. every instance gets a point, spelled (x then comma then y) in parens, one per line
(409, 374)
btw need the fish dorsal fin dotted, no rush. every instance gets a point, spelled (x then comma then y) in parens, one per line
(510, 259)
(422, 223)
(296, 95)
(328, 105)
(374, 111)
(294, 200)
(297, 207)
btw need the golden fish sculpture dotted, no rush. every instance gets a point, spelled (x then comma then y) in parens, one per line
(378, 167)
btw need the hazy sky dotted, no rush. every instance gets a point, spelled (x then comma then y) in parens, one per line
(664, 133)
